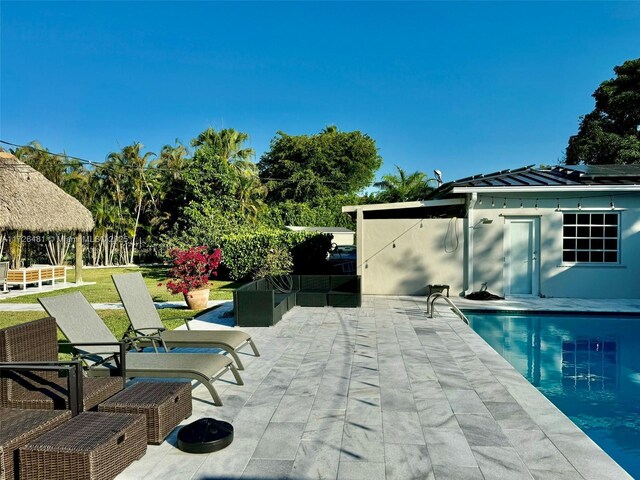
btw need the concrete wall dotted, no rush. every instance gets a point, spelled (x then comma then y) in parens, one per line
(431, 254)
(558, 279)
(421, 258)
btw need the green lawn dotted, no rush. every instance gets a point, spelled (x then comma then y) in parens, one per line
(104, 292)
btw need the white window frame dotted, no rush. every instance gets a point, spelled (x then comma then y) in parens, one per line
(577, 237)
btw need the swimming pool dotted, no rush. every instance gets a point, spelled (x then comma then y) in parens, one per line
(588, 366)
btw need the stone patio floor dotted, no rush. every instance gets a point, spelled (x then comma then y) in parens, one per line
(380, 392)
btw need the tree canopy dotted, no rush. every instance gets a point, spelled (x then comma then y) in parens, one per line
(404, 187)
(304, 168)
(610, 134)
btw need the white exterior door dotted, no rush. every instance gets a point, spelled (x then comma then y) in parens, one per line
(521, 260)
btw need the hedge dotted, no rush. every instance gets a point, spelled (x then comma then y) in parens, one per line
(243, 254)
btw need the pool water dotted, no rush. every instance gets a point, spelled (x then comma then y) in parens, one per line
(588, 366)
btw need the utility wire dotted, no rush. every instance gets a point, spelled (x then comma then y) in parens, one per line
(106, 166)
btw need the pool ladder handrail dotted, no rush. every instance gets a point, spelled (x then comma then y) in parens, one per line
(431, 299)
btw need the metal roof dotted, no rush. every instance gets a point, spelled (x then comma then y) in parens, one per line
(559, 177)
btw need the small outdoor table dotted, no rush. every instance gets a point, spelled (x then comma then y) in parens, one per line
(438, 289)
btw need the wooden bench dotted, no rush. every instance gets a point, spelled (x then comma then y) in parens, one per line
(36, 274)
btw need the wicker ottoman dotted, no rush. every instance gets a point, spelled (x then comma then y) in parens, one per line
(165, 405)
(18, 427)
(91, 446)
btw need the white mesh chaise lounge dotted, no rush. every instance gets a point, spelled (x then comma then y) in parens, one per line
(147, 328)
(81, 324)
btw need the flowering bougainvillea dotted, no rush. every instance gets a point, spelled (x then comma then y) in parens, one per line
(192, 268)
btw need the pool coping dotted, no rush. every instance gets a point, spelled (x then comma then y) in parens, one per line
(552, 421)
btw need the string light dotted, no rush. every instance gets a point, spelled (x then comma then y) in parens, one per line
(612, 205)
(521, 204)
(493, 204)
(504, 203)
(558, 205)
(536, 204)
(580, 204)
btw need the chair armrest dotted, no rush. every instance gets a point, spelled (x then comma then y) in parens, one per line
(186, 321)
(74, 377)
(121, 353)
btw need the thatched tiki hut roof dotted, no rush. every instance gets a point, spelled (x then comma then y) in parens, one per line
(28, 201)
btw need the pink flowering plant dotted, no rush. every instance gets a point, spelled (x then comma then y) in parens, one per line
(192, 268)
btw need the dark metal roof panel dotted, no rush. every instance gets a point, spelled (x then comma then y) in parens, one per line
(557, 176)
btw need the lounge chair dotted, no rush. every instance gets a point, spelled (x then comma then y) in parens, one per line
(4, 272)
(29, 372)
(148, 330)
(81, 325)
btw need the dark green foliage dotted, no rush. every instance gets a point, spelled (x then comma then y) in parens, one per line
(404, 187)
(310, 255)
(245, 254)
(326, 212)
(610, 134)
(304, 168)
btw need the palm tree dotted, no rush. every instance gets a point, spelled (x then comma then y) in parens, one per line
(404, 187)
(139, 185)
(250, 193)
(227, 143)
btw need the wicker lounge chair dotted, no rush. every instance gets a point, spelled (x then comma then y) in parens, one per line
(29, 372)
(148, 330)
(81, 325)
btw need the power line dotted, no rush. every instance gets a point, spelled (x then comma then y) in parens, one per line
(104, 166)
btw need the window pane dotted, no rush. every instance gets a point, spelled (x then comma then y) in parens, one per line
(611, 219)
(597, 219)
(569, 219)
(568, 256)
(611, 232)
(611, 244)
(569, 231)
(569, 244)
(583, 232)
(582, 256)
(610, 256)
(583, 243)
(597, 244)
(597, 257)
(597, 232)
(583, 219)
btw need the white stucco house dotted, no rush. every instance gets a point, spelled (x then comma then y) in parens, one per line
(565, 231)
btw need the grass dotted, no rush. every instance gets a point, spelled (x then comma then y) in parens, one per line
(103, 291)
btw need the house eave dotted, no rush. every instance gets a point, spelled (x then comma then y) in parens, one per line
(403, 205)
(548, 189)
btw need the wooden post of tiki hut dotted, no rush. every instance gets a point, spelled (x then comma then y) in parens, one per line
(28, 201)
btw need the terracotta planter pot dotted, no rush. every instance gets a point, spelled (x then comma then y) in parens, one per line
(197, 299)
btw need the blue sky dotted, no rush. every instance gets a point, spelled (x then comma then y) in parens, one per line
(462, 87)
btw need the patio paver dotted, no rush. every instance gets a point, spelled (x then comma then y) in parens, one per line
(381, 391)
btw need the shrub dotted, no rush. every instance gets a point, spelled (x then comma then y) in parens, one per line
(261, 253)
(192, 268)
